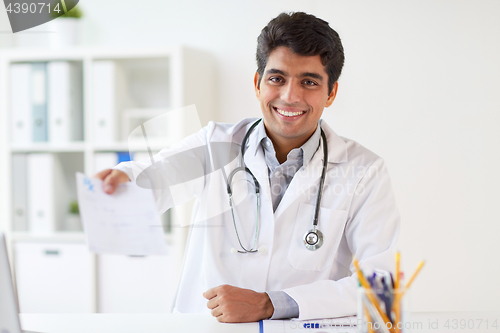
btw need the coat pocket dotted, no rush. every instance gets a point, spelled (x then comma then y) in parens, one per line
(331, 223)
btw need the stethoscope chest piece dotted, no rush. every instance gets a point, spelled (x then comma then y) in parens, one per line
(313, 239)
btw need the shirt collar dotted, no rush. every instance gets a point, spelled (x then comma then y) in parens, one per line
(308, 148)
(261, 133)
(311, 145)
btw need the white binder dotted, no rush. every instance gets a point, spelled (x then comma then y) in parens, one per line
(65, 102)
(104, 161)
(19, 193)
(45, 189)
(20, 103)
(108, 95)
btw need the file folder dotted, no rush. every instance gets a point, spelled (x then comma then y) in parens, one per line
(108, 91)
(39, 101)
(19, 193)
(45, 190)
(20, 103)
(65, 102)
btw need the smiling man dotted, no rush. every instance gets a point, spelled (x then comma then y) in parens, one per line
(293, 90)
(323, 198)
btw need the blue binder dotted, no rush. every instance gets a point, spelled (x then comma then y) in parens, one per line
(39, 101)
(123, 156)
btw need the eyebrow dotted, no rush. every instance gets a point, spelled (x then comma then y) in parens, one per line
(313, 75)
(306, 74)
(275, 71)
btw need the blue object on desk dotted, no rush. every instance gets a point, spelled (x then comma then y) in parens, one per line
(261, 326)
(123, 156)
(381, 283)
(386, 297)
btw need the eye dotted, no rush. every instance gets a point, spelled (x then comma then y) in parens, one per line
(275, 79)
(310, 83)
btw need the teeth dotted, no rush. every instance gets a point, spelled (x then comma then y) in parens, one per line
(289, 114)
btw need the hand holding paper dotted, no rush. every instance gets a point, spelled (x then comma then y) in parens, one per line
(125, 222)
(111, 179)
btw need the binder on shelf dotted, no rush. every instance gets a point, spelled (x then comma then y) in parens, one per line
(65, 103)
(39, 101)
(20, 103)
(123, 156)
(45, 188)
(19, 193)
(104, 161)
(108, 90)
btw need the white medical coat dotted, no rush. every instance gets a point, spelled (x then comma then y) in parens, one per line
(358, 217)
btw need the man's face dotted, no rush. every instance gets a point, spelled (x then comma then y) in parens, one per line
(293, 93)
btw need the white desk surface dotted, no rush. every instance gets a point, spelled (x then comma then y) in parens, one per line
(424, 322)
(133, 323)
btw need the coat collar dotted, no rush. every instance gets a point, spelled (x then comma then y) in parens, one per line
(337, 148)
(305, 177)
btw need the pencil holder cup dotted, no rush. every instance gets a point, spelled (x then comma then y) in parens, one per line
(385, 312)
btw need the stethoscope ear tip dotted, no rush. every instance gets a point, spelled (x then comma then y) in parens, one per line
(233, 250)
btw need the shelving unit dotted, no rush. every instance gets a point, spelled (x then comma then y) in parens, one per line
(149, 82)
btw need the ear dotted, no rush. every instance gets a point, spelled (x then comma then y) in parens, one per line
(256, 84)
(332, 95)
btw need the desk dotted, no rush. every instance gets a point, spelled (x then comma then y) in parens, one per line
(130, 323)
(423, 322)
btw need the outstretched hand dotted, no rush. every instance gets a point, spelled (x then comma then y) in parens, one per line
(111, 178)
(237, 305)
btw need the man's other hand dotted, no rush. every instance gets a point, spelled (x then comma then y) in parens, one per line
(236, 305)
(111, 178)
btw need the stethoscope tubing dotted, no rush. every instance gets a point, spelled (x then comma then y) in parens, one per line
(243, 167)
(322, 180)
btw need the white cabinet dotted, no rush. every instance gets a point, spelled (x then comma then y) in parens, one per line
(104, 95)
(136, 284)
(54, 277)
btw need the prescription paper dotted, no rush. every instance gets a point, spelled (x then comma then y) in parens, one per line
(125, 222)
(330, 325)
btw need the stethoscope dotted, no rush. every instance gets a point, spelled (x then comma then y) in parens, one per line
(313, 239)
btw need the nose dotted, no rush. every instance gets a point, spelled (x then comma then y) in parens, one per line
(291, 92)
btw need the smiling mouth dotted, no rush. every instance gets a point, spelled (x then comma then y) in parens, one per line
(288, 113)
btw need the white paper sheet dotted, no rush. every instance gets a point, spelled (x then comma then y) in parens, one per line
(330, 325)
(125, 222)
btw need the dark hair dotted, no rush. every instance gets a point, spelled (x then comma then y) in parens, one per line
(306, 35)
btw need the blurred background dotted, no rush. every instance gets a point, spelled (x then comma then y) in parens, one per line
(420, 88)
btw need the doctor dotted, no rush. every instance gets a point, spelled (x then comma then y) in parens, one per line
(299, 60)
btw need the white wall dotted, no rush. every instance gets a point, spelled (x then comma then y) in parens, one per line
(420, 88)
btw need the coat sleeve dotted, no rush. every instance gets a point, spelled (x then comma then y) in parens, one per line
(371, 233)
(176, 174)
